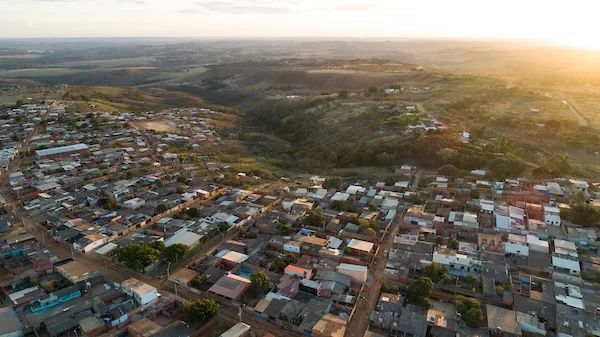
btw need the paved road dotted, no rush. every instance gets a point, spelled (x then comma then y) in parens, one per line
(576, 113)
(368, 300)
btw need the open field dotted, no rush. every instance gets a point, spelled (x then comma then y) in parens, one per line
(159, 126)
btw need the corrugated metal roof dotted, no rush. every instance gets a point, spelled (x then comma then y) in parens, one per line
(62, 149)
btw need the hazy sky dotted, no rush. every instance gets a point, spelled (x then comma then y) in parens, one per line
(571, 22)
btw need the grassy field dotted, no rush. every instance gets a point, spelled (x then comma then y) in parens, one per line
(159, 126)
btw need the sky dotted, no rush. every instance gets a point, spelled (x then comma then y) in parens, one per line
(571, 22)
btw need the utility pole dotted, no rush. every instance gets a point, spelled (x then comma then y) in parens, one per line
(168, 270)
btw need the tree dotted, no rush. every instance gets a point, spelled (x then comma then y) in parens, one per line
(160, 183)
(344, 94)
(577, 198)
(435, 271)
(202, 310)
(260, 282)
(19, 103)
(160, 208)
(109, 203)
(448, 170)
(473, 317)
(585, 215)
(343, 205)
(439, 240)
(315, 218)
(559, 165)
(137, 256)
(333, 182)
(474, 193)
(373, 207)
(284, 229)
(453, 244)
(541, 173)
(471, 280)
(419, 290)
(193, 212)
(158, 245)
(197, 282)
(499, 290)
(447, 279)
(421, 237)
(470, 310)
(181, 189)
(175, 252)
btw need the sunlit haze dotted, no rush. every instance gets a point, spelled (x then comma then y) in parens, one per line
(571, 23)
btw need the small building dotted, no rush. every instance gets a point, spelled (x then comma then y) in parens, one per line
(298, 271)
(230, 287)
(90, 242)
(143, 293)
(356, 272)
(361, 247)
(239, 330)
(134, 203)
(11, 324)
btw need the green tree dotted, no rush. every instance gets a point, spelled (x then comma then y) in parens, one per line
(158, 245)
(344, 94)
(447, 279)
(137, 256)
(577, 198)
(585, 215)
(193, 212)
(19, 103)
(175, 252)
(373, 207)
(202, 310)
(435, 271)
(160, 208)
(315, 218)
(160, 183)
(439, 240)
(474, 193)
(473, 317)
(448, 170)
(541, 173)
(109, 203)
(284, 229)
(559, 164)
(261, 283)
(419, 291)
(499, 290)
(453, 244)
(471, 280)
(181, 189)
(421, 237)
(197, 282)
(370, 232)
(333, 182)
(343, 205)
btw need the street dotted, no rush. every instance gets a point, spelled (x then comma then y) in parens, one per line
(370, 296)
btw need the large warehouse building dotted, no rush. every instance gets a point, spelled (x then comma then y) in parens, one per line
(62, 152)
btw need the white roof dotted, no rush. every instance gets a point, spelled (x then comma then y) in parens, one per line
(353, 267)
(184, 237)
(106, 248)
(401, 184)
(502, 221)
(561, 262)
(360, 245)
(554, 188)
(235, 257)
(441, 179)
(62, 149)
(479, 172)
(355, 189)
(558, 243)
(340, 196)
(534, 240)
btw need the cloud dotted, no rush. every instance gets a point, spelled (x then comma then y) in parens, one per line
(135, 2)
(275, 6)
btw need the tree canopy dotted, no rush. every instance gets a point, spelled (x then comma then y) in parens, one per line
(137, 256)
(435, 271)
(333, 182)
(202, 310)
(419, 291)
(470, 310)
(315, 218)
(261, 283)
(175, 252)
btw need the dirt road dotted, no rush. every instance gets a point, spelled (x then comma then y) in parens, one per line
(576, 113)
(368, 300)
